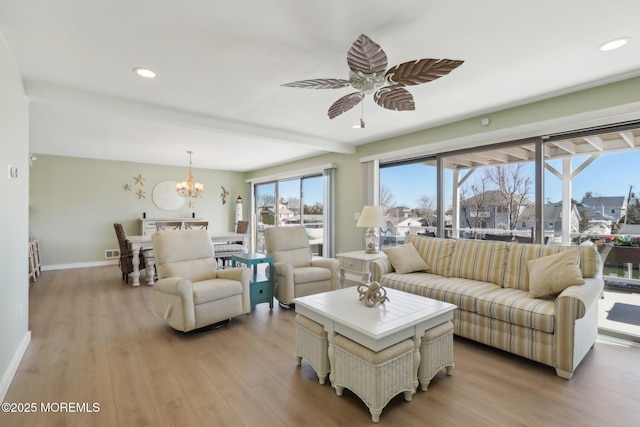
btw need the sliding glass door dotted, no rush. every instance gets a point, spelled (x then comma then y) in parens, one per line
(288, 202)
(408, 197)
(312, 213)
(265, 214)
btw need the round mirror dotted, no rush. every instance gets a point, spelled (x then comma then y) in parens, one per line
(165, 196)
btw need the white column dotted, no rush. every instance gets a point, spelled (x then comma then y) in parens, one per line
(455, 208)
(566, 201)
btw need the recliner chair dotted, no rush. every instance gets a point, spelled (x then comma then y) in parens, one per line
(191, 292)
(297, 271)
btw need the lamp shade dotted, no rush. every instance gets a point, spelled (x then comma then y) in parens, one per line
(371, 216)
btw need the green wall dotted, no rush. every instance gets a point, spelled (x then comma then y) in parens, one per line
(14, 235)
(74, 203)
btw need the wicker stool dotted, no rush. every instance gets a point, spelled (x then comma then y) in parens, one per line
(375, 377)
(312, 344)
(436, 352)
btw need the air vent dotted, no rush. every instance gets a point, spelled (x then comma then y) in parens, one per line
(111, 253)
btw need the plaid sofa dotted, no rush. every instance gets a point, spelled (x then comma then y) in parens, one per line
(489, 283)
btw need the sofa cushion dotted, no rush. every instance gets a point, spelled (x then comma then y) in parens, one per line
(461, 292)
(414, 283)
(515, 306)
(552, 274)
(589, 257)
(517, 273)
(405, 259)
(479, 260)
(435, 251)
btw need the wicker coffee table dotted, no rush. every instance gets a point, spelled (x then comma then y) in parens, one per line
(404, 316)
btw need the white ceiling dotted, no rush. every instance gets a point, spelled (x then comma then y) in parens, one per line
(220, 67)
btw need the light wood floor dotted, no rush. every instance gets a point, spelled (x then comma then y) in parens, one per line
(95, 339)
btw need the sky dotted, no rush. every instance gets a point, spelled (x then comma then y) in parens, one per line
(608, 175)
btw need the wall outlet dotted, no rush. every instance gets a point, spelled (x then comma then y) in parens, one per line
(111, 253)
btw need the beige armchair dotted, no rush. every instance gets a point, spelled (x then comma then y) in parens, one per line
(190, 292)
(297, 272)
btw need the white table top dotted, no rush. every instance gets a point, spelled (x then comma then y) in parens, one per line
(405, 315)
(215, 237)
(363, 255)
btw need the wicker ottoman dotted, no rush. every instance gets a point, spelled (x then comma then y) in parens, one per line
(436, 352)
(312, 344)
(375, 377)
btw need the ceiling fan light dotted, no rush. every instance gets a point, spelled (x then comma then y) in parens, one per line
(359, 125)
(613, 44)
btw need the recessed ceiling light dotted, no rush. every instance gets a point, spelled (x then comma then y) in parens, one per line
(144, 72)
(614, 44)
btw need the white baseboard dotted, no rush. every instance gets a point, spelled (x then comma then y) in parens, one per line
(78, 265)
(13, 367)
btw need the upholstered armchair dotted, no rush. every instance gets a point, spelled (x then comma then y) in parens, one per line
(191, 292)
(297, 272)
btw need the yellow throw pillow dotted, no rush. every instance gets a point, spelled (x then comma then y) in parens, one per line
(552, 274)
(405, 259)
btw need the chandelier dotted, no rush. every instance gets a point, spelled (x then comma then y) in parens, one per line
(189, 188)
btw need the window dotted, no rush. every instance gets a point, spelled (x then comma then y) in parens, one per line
(302, 200)
(490, 191)
(408, 199)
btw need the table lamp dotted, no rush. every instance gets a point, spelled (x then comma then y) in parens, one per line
(372, 218)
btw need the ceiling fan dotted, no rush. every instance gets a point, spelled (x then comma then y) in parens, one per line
(367, 64)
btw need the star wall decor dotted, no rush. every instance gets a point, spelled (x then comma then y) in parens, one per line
(127, 187)
(140, 179)
(191, 203)
(142, 194)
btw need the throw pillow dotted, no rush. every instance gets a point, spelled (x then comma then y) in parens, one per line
(552, 274)
(405, 259)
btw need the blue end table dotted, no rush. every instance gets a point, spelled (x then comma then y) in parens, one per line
(261, 285)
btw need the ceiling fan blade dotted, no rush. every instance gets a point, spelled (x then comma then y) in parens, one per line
(395, 98)
(345, 103)
(366, 56)
(319, 84)
(420, 71)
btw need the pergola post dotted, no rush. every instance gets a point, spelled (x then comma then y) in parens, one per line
(566, 201)
(455, 206)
